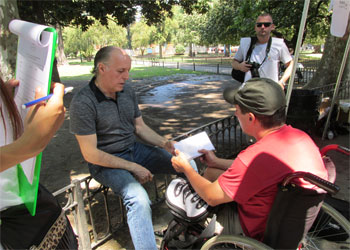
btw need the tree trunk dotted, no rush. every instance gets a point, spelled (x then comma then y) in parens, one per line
(160, 51)
(190, 51)
(329, 66)
(61, 57)
(227, 50)
(129, 37)
(8, 41)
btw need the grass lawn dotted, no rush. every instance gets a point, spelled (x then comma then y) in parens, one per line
(80, 73)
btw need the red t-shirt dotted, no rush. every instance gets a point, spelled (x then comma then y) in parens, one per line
(252, 179)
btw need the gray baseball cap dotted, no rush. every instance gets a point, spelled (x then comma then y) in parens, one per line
(261, 96)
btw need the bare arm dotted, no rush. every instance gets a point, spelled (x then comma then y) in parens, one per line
(150, 136)
(90, 152)
(242, 66)
(209, 191)
(41, 123)
(287, 73)
(210, 159)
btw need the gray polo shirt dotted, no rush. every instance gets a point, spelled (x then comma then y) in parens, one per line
(91, 112)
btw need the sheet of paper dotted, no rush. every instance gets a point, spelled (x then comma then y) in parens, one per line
(32, 69)
(341, 11)
(191, 145)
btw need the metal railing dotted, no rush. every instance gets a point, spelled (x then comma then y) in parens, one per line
(82, 199)
(303, 75)
(328, 90)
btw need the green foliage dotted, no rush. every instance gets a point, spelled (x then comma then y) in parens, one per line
(179, 49)
(228, 20)
(77, 12)
(141, 35)
(84, 43)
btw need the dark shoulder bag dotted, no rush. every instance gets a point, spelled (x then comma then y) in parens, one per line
(237, 74)
(48, 229)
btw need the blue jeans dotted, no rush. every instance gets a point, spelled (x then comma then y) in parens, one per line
(134, 196)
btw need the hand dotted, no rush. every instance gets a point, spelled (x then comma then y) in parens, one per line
(244, 66)
(209, 158)
(142, 174)
(44, 119)
(10, 84)
(169, 146)
(179, 161)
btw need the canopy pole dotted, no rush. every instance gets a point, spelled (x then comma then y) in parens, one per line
(336, 90)
(296, 53)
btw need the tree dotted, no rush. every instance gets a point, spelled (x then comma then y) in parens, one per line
(141, 35)
(79, 12)
(163, 33)
(187, 28)
(8, 41)
(328, 69)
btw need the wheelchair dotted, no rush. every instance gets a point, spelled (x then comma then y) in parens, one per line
(292, 223)
(329, 230)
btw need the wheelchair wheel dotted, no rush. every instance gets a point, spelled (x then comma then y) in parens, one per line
(233, 242)
(331, 230)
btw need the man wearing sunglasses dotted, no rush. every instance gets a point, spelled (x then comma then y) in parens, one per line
(265, 55)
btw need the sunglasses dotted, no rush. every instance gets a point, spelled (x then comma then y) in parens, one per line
(259, 25)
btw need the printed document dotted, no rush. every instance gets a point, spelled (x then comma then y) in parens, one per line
(191, 145)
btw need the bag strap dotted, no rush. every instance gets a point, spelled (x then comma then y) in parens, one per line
(267, 50)
(253, 40)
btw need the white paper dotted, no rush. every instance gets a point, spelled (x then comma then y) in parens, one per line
(32, 69)
(191, 145)
(340, 17)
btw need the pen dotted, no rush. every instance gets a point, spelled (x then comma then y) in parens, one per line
(29, 104)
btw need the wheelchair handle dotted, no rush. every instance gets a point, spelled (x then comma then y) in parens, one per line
(314, 179)
(335, 147)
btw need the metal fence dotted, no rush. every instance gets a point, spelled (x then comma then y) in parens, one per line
(328, 90)
(303, 75)
(96, 212)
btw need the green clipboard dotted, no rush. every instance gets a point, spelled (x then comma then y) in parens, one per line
(29, 191)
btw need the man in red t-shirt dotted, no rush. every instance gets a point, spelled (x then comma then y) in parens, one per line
(251, 179)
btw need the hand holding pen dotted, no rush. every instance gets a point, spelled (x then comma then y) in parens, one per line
(44, 98)
(45, 118)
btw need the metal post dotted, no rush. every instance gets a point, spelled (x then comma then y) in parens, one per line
(335, 94)
(84, 238)
(217, 68)
(296, 54)
(194, 66)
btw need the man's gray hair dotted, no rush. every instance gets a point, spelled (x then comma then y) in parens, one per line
(102, 56)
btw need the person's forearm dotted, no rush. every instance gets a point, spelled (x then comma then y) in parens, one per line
(101, 158)
(150, 136)
(222, 164)
(236, 64)
(287, 73)
(204, 188)
(20, 150)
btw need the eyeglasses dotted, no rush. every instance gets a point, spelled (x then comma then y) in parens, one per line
(259, 25)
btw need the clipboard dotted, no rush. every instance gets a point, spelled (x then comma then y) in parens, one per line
(35, 56)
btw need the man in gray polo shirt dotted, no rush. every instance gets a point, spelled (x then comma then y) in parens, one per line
(105, 118)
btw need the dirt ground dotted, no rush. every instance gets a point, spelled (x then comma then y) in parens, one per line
(170, 106)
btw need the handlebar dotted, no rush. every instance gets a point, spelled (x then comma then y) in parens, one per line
(335, 147)
(321, 183)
